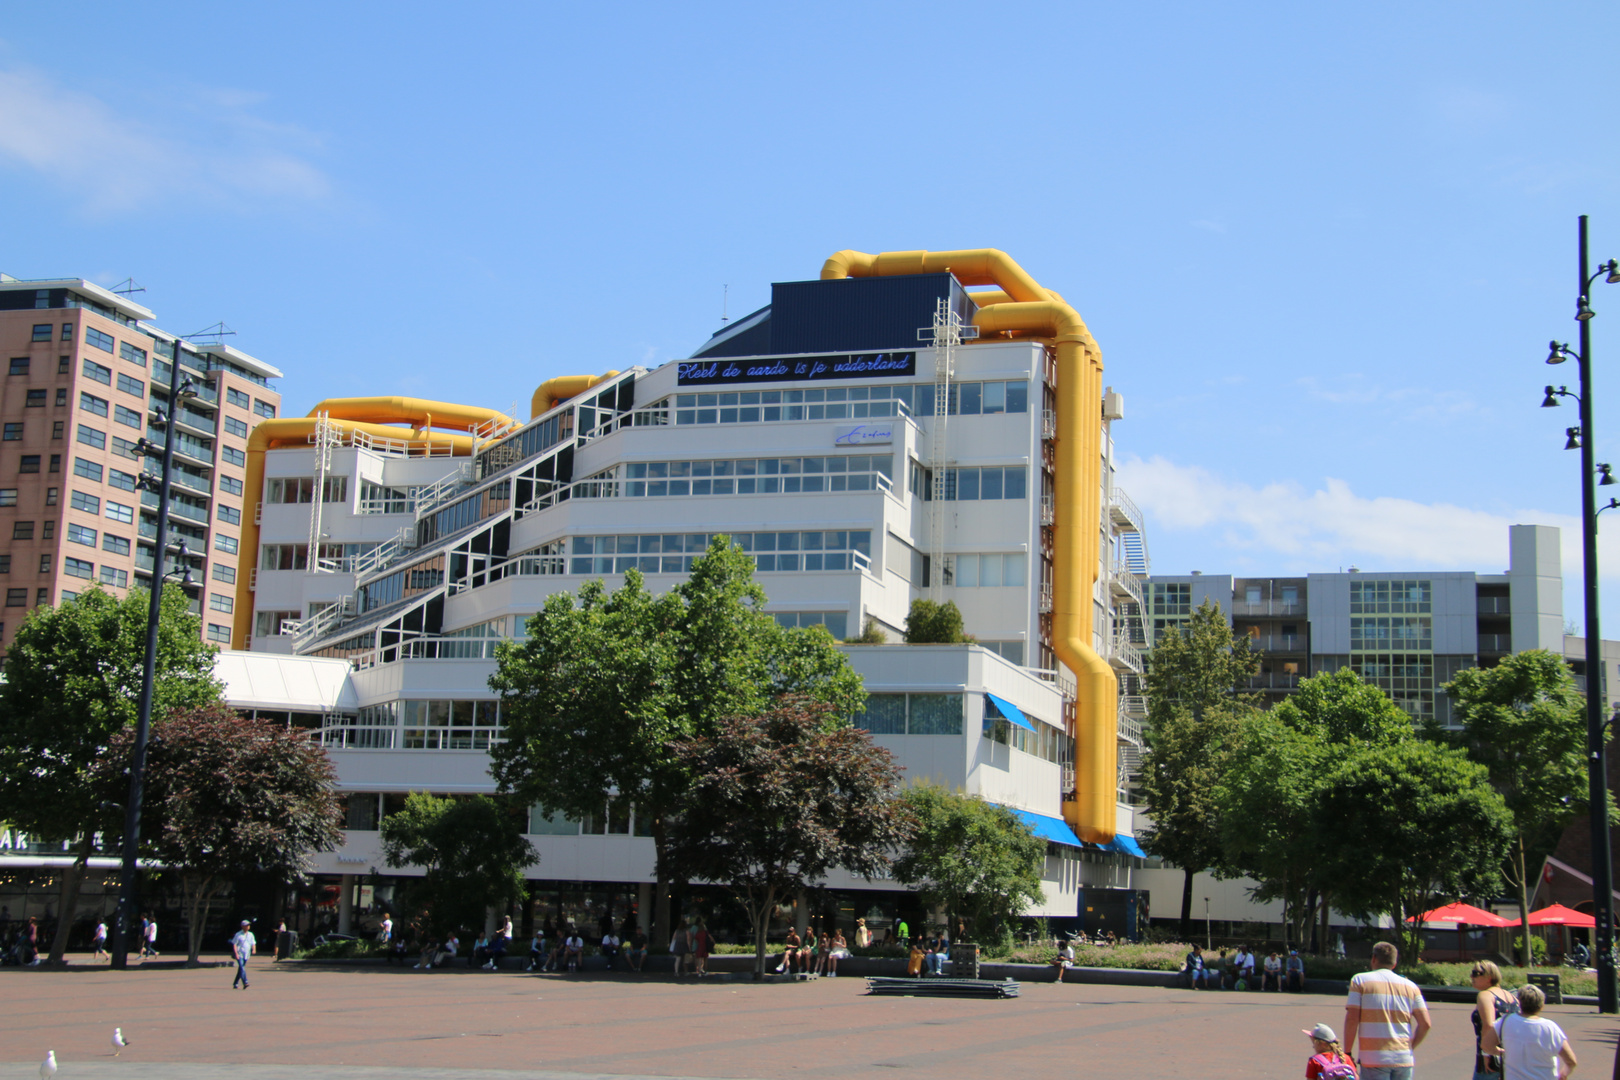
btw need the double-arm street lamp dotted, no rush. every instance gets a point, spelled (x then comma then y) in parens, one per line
(180, 390)
(1593, 476)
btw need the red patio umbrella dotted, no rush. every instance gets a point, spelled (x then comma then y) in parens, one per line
(1464, 915)
(1559, 915)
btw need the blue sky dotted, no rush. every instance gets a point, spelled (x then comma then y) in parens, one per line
(1323, 248)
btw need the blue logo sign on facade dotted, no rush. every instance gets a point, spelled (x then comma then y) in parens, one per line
(878, 431)
(885, 365)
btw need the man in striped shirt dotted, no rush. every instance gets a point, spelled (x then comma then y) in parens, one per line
(1387, 1011)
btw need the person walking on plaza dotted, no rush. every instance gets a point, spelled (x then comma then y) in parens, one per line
(702, 945)
(385, 931)
(100, 941)
(636, 954)
(1491, 1003)
(678, 946)
(1532, 1046)
(1387, 1013)
(150, 951)
(242, 947)
(1328, 1059)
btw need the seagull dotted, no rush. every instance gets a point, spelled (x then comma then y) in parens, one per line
(119, 1042)
(47, 1068)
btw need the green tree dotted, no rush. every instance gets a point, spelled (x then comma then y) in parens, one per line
(73, 681)
(1526, 723)
(1411, 821)
(225, 797)
(871, 634)
(473, 852)
(778, 800)
(606, 682)
(1195, 710)
(929, 623)
(978, 860)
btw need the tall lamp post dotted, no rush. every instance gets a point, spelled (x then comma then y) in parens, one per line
(180, 389)
(1596, 731)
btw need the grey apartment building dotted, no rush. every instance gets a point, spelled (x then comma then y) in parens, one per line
(1408, 632)
(87, 376)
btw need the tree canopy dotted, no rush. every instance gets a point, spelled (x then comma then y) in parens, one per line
(472, 850)
(930, 623)
(72, 681)
(1525, 722)
(778, 800)
(978, 860)
(225, 797)
(1195, 710)
(606, 683)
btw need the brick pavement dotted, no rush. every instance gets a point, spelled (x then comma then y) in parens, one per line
(337, 1024)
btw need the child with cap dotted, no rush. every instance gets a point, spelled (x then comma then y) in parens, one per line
(1328, 1059)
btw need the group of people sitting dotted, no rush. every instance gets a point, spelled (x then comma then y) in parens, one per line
(1237, 972)
(814, 954)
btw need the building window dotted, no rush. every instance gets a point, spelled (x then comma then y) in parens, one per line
(30, 464)
(92, 404)
(224, 573)
(61, 397)
(8, 496)
(131, 386)
(16, 598)
(268, 623)
(35, 399)
(45, 563)
(44, 331)
(225, 543)
(90, 504)
(56, 463)
(121, 480)
(118, 545)
(5, 564)
(237, 398)
(91, 437)
(127, 417)
(221, 602)
(771, 551)
(56, 429)
(80, 568)
(48, 531)
(121, 513)
(233, 456)
(67, 331)
(126, 449)
(13, 432)
(131, 353)
(81, 534)
(87, 469)
(19, 365)
(64, 364)
(51, 496)
(264, 409)
(97, 372)
(929, 714)
(219, 635)
(987, 571)
(42, 596)
(230, 515)
(230, 485)
(118, 579)
(236, 427)
(22, 530)
(1390, 597)
(97, 340)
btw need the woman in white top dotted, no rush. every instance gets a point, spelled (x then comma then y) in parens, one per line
(1533, 1047)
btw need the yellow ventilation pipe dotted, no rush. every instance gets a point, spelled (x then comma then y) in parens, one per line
(1028, 308)
(563, 387)
(367, 415)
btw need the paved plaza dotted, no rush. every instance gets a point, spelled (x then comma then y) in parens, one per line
(368, 1024)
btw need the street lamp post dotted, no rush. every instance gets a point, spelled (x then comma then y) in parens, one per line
(1596, 732)
(129, 879)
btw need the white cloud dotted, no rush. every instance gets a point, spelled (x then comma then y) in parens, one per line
(214, 150)
(1322, 530)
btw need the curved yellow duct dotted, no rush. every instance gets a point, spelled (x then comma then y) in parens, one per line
(422, 413)
(563, 387)
(295, 431)
(1025, 307)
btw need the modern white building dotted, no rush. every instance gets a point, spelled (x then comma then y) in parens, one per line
(855, 437)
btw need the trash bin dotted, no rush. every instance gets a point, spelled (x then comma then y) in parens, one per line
(286, 942)
(964, 960)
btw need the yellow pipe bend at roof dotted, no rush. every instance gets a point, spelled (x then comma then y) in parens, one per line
(296, 430)
(549, 393)
(1023, 307)
(419, 412)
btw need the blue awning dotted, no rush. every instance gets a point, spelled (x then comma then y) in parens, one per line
(1126, 845)
(1010, 712)
(1048, 828)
